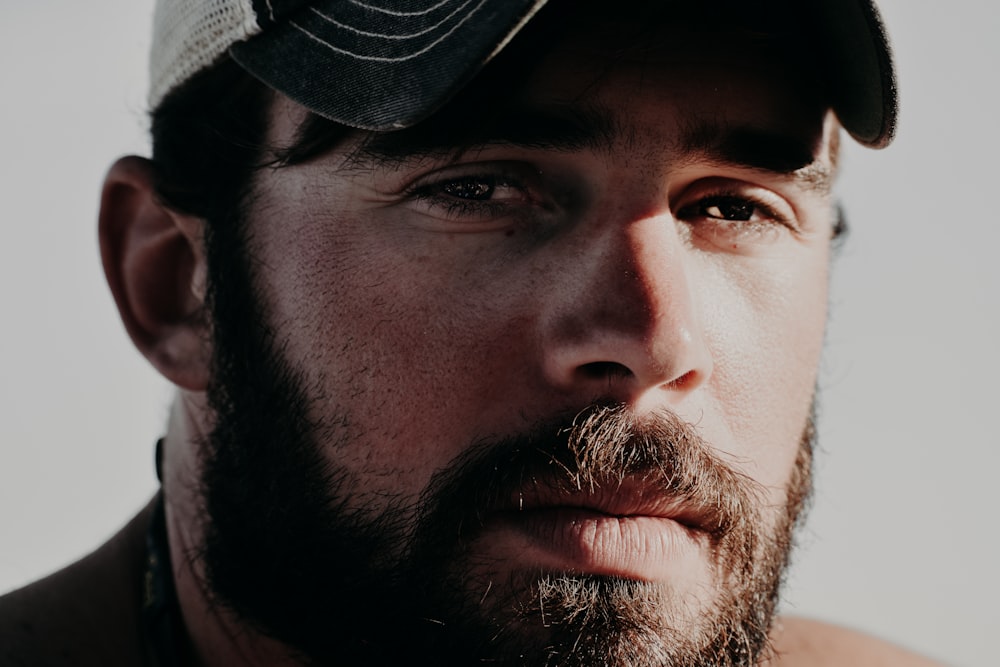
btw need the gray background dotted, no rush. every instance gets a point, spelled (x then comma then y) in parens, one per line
(902, 539)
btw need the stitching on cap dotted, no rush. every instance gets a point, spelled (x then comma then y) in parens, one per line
(330, 19)
(383, 10)
(383, 59)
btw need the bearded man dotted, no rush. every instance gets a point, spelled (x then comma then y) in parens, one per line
(495, 328)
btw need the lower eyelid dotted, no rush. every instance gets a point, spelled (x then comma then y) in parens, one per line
(467, 210)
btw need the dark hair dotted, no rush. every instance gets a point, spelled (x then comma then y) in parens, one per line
(209, 137)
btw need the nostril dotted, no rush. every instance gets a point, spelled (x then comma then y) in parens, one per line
(608, 371)
(685, 382)
(604, 370)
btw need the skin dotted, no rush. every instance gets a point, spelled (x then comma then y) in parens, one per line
(596, 281)
(431, 324)
(597, 273)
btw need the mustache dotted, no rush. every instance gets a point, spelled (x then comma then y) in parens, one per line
(599, 450)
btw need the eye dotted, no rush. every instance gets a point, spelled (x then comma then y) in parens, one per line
(731, 209)
(478, 188)
(736, 215)
(482, 193)
(728, 208)
(741, 210)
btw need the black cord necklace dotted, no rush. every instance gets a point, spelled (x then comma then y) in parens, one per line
(161, 618)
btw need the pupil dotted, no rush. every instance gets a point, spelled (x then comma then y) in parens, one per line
(470, 188)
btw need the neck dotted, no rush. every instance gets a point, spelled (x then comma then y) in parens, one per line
(213, 635)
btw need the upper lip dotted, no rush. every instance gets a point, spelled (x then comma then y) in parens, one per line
(625, 498)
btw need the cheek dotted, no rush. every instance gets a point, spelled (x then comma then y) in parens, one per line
(400, 360)
(766, 332)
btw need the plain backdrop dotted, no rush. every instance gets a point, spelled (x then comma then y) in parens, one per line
(902, 541)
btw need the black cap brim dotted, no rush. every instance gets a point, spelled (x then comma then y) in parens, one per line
(380, 70)
(376, 70)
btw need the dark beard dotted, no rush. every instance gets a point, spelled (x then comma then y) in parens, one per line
(289, 553)
(553, 618)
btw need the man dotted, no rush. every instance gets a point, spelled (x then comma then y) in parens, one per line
(495, 328)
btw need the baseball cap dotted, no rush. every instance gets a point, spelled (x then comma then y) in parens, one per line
(383, 65)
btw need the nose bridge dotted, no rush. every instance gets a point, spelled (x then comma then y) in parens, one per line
(632, 323)
(654, 282)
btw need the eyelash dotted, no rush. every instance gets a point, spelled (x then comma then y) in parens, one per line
(765, 217)
(758, 208)
(434, 196)
(771, 216)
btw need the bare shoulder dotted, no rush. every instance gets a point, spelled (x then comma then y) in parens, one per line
(84, 614)
(800, 642)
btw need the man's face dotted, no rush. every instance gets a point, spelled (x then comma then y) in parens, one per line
(637, 246)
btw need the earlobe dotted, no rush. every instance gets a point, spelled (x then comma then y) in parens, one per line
(155, 266)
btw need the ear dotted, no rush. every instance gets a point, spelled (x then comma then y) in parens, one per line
(154, 262)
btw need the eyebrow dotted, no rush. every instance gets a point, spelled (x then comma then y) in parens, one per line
(587, 127)
(761, 149)
(563, 129)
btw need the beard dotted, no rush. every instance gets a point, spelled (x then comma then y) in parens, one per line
(292, 554)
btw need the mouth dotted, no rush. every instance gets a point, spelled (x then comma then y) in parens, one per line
(625, 529)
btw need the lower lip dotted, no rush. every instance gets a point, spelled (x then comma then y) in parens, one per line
(569, 539)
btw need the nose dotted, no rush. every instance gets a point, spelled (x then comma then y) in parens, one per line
(624, 323)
